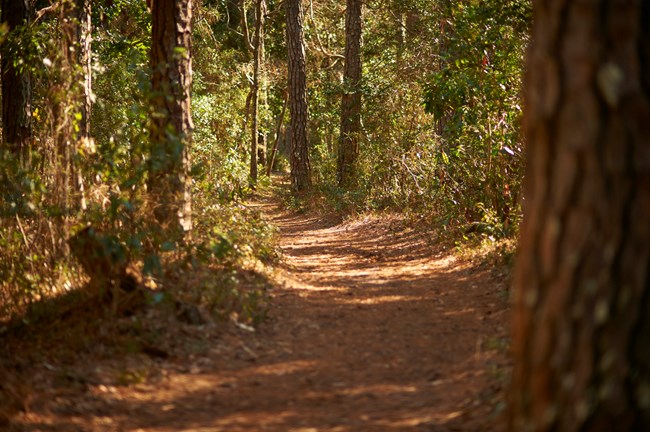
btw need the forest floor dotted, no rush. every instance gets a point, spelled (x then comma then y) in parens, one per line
(370, 328)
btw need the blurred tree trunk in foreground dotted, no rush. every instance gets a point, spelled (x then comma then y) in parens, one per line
(582, 283)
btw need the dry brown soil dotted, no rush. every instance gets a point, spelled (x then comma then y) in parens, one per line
(371, 328)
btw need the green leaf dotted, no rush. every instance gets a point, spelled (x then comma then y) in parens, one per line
(168, 246)
(152, 265)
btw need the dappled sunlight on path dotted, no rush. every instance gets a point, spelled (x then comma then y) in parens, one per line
(397, 331)
(371, 328)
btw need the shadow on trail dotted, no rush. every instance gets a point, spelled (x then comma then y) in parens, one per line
(371, 330)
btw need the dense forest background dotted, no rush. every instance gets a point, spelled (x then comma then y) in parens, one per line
(439, 127)
(138, 137)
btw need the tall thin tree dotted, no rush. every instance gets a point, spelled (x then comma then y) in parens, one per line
(16, 85)
(258, 70)
(67, 101)
(348, 151)
(84, 14)
(171, 119)
(297, 88)
(582, 281)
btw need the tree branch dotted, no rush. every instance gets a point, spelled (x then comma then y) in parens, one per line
(46, 10)
(244, 21)
(320, 47)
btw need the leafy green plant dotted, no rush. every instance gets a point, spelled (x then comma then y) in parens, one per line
(440, 113)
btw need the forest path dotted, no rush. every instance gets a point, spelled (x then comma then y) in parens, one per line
(371, 328)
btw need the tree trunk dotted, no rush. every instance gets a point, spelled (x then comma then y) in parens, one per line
(351, 99)
(582, 280)
(258, 65)
(84, 13)
(16, 86)
(297, 85)
(66, 97)
(244, 25)
(171, 121)
(264, 101)
(84, 41)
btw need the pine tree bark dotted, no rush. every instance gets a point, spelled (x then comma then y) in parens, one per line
(171, 119)
(351, 100)
(16, 84)
(582, 281)
(297, 87)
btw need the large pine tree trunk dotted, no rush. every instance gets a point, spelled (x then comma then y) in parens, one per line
(16, 86)
(582, 283)
(351, 99)
(299, 157)
(171, 122)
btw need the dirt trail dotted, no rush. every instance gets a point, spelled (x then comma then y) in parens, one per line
(380, 335)
(371, 329)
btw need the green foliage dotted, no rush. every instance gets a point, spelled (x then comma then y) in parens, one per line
(224, 170)
(474, 97)
(232, 234)
(440, 135)
(36, 212)
(41, 211)
(229, 294)
(222, 265)
(440, 112)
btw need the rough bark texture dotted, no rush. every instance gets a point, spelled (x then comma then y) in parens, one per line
(581, 337)
(258, 65)
(299, 157)
(16, 86)
(171, 123)
(351, 99)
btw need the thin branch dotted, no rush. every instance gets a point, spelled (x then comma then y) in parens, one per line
(244, 20)
(279, 7)
(269, 168)
(415, 179)
(249, 79)
(208, 30)
(46, 10)
(320, 47)
(22, 231)
(334, 63)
